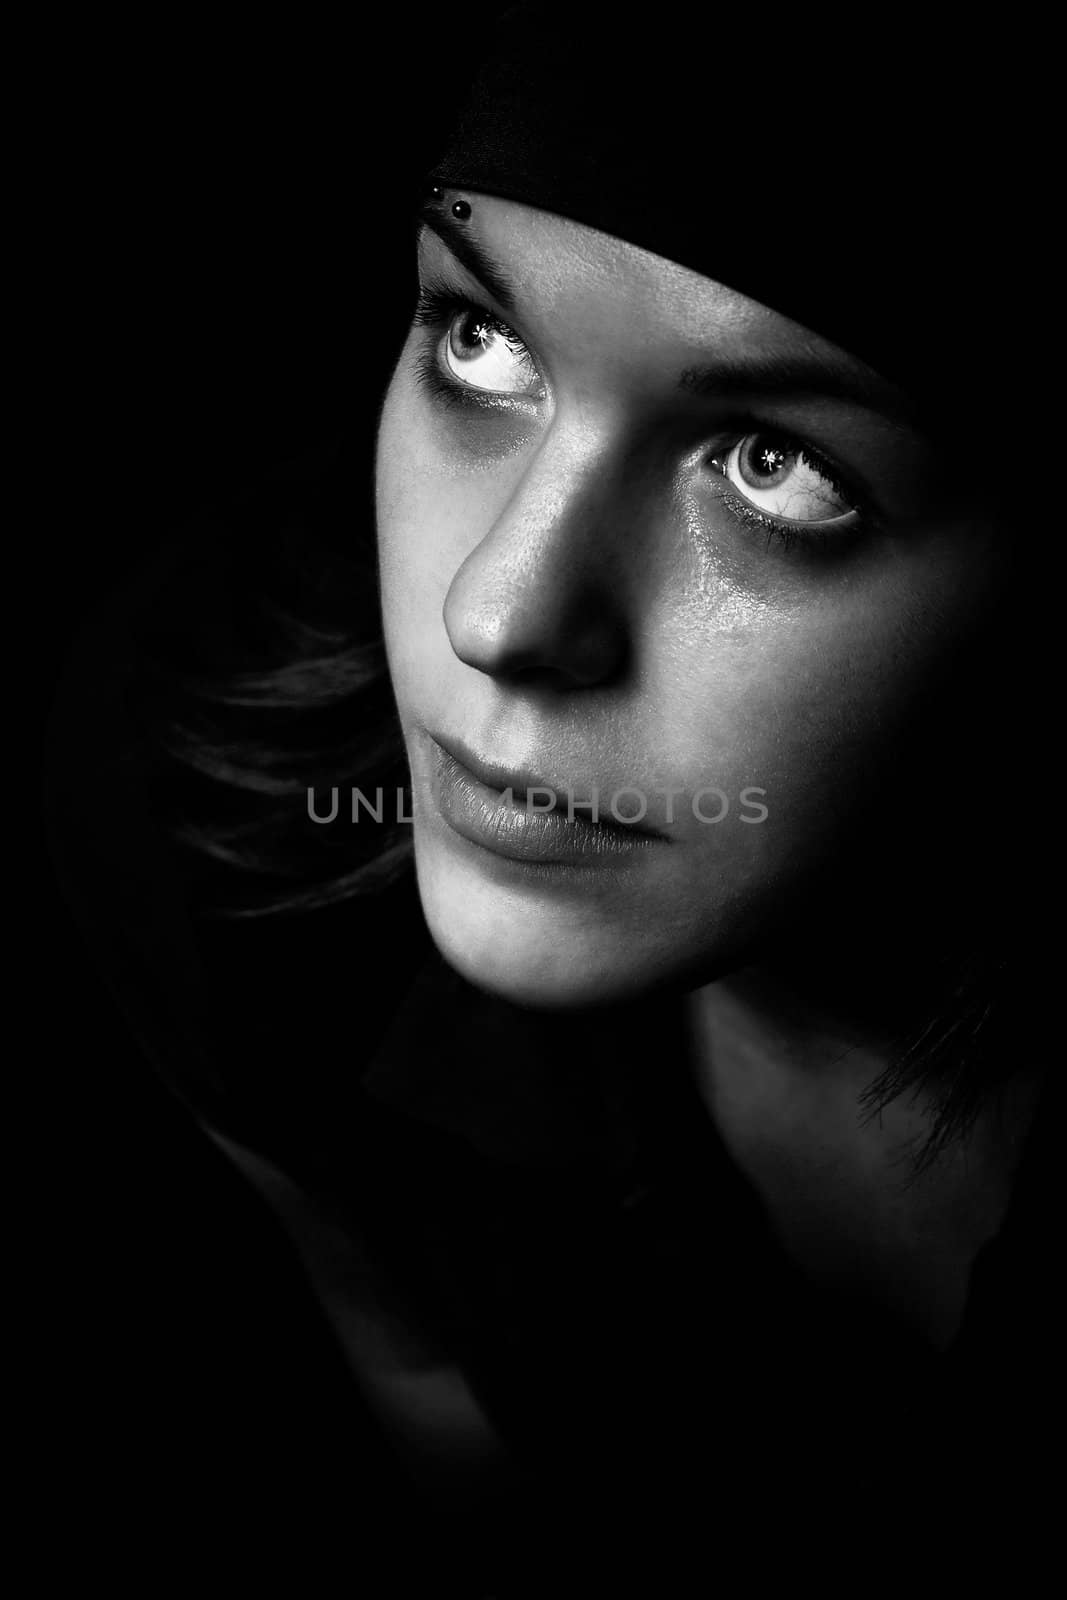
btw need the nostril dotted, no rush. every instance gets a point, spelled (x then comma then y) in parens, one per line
(580, 647)
(594, 673)
(596, 653)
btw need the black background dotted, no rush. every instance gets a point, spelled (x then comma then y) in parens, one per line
(220, 251)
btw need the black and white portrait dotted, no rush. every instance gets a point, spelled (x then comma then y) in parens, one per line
(548, 968)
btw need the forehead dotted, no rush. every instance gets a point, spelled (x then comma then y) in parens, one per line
(603, 285)
(614, 313)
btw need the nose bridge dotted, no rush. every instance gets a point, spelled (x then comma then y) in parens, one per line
(539, 591)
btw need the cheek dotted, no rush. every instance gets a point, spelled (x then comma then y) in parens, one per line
(815, 695)
(413, 543)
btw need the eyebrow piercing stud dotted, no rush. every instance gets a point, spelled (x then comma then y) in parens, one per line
(460, 208)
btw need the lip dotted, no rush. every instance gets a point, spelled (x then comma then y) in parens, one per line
(468, 793)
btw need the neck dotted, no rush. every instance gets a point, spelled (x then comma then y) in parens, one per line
(781, 1070)
(794, 1066)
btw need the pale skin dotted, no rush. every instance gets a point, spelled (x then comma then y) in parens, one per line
(574, 584)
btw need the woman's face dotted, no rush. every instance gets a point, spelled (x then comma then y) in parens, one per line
(645, 540)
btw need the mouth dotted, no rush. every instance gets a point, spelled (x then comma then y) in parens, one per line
(533, 792)
(524, 817)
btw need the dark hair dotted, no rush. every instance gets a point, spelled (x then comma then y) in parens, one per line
(279, 686)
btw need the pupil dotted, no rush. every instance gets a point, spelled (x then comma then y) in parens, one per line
(475, 332)
(764, 461)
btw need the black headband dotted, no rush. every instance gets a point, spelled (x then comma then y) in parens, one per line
(878, 197)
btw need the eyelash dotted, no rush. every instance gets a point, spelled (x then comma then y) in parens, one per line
(437, 307)
(789, 533)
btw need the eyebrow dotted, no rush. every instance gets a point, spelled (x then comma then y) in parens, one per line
(801, 376)
(478, 262)
(796, 377)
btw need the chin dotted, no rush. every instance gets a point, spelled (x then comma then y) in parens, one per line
(542, 945)
(525, 974)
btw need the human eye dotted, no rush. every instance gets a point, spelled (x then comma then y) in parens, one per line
(786, 486)
(476, 350)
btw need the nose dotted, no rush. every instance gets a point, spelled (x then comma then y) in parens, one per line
(539, 598)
